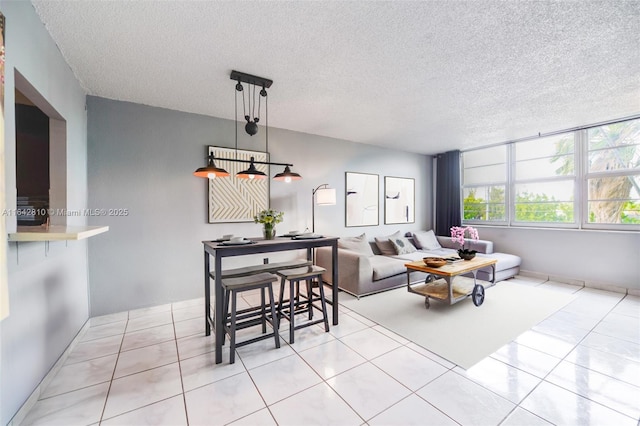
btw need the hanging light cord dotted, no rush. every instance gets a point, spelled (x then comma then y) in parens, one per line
(235, 122)
(253, 111)
(244, 106)
(266, 127)
(254, 94)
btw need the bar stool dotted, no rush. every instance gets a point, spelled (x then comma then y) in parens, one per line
(294, 276)
(248, 318)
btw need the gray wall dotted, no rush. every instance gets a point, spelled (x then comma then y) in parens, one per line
(593, 257)
(142, 158)
(48, 292)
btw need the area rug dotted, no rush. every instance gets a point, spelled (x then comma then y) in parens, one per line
(461, 333)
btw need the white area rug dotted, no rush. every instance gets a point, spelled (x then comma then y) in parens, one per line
(462, 333)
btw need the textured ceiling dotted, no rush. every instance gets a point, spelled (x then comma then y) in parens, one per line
(424, 76)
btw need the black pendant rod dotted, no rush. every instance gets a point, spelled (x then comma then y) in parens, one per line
(214, 158)
(251, 79)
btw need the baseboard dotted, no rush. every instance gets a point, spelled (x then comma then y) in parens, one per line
(598, 285)
(531, 274)
(608, 287)
(20, 415)
(566, 280)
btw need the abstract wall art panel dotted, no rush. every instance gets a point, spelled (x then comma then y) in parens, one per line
(232, 199)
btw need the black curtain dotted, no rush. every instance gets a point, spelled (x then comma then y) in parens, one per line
(448, 192)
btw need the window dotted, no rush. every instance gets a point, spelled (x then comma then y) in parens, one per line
(586, 178)
(544, 180)
(613, 174)
(485, 180)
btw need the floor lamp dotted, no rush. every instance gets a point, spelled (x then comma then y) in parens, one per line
(323, 196)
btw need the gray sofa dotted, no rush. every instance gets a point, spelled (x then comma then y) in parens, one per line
(363, 271)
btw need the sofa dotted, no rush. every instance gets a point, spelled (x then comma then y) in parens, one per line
(367, 267)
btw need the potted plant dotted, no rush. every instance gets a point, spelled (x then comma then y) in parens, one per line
(458, 236)
(268, 218)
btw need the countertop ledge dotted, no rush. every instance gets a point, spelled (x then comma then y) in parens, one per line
(56, 233)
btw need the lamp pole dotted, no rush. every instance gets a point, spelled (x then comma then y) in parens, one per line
(313, 205)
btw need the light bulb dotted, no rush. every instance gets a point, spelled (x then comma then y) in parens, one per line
(287, 179)
(211, 175)
(252, 176)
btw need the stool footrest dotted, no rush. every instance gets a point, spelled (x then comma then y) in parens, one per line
(255, 339)
(249, 323)
(307, 324)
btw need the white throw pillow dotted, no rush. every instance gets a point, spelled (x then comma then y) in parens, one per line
(359, 244)
(402, 245)
(385, 246)
(426, 240)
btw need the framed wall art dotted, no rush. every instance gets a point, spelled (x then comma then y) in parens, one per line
(237, 200)
(399, 200)
(361, 203)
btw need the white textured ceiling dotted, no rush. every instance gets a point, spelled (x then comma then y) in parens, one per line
(425, 76)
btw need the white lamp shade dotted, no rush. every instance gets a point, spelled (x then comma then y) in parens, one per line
(326, 196)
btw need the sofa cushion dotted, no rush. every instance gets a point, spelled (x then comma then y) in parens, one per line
(402, 245)
(384, 267)
(505, 261)
(385, 246)
(426, 240)
(358, 244)
(412, 257)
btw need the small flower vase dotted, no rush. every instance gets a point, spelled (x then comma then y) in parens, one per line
(268, 233)
(467, 254)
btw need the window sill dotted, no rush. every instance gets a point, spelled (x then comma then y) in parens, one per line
(56, 233)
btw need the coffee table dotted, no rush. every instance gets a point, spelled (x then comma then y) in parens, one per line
(445, 283)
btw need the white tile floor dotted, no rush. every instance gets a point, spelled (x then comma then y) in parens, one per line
(581, 366)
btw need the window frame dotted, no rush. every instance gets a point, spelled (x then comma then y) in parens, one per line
(586, 176)
(514, 182)
(580, 179)
(507, 192)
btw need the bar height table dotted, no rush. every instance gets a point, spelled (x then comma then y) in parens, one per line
(218, 252)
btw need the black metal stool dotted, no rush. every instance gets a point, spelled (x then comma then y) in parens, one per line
(294, 276)
(248, 318)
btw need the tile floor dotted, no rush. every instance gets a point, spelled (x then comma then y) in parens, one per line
(580, 366)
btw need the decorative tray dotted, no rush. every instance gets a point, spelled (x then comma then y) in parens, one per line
(434, 262)
(307, 237)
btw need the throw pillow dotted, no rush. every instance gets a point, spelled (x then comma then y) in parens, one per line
(426, 240)
(384, 244)
(359, 244)
(402, 245)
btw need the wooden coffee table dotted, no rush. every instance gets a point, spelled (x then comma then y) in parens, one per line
(446, 283)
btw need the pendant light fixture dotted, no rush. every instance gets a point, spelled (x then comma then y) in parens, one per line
(287, 175)
(251, 127)
(251, 172)
(211, 171)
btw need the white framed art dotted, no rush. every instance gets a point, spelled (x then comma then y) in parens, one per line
(232, 199)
